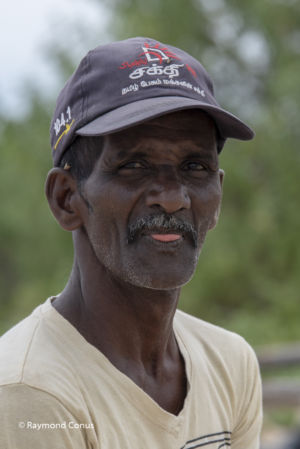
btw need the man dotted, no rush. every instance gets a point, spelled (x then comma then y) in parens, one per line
(110, 363)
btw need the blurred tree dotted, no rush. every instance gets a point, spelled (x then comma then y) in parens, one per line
(248, 275)
(34, 252)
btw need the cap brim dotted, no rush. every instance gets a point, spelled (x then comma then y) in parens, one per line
(140, 111)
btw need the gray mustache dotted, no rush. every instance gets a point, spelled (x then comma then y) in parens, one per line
(161, 222)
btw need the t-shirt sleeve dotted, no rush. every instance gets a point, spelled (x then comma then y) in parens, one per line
(32, 418)
(246, 434)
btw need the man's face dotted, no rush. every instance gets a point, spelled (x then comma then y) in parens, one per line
(153, 195)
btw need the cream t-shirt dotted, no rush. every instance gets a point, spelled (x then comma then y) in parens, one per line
(58, 391)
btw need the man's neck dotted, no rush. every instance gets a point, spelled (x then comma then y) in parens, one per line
(119, 317)
(132, 327)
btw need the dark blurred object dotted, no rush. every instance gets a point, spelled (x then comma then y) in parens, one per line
(294, 442)
(278, 393)
(288, 441)
(284, 391)
(276, 356)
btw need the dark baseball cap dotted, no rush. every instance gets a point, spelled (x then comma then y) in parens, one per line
(125, 83)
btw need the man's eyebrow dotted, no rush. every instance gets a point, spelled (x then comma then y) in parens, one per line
(147, 152)
(198, 153)
(124, 154)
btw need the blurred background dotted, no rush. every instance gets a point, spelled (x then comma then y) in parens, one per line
(248, 275)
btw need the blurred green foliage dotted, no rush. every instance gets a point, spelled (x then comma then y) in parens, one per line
(248, 275)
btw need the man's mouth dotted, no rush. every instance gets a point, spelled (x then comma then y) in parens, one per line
(166, 237)
(162, 228)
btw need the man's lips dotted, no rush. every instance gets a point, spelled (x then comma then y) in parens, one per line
(166, 237)
(162, 228)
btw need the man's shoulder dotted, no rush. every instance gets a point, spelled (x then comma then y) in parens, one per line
(197, 325)
(39, 362)
(31, 352)
(213, 339)
(14, 347)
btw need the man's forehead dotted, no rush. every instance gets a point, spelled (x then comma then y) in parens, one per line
(194, 129)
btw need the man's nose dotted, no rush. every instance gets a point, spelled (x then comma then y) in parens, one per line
(168, 192)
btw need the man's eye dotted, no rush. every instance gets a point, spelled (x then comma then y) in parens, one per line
(193, 165)
(133, 164)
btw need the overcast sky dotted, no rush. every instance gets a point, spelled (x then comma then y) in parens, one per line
(26, 27)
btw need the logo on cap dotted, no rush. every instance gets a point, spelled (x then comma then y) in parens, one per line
(155, 53)
(151, 53)
(63, 121)
(159, 66)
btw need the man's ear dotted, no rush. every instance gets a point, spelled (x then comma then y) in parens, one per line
(218, 210)
(62, 193)
(221, 175)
